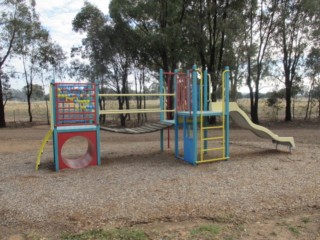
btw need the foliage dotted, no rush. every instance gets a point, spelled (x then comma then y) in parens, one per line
(22, 35)
(37, 52)
(37, 92)
(313, 63)
(12, 19)
(294, 26)
(6, 91)
(260, 26)
(139, 37)
(274, 101)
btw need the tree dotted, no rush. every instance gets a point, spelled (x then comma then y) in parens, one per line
(293, 33)
(274, 101)
(209, 30)
(37, 52)
(37, 92)
(261, 24)
(12, 23)
(6, 91)
(313, 63)
(155, 29)
(108, 49)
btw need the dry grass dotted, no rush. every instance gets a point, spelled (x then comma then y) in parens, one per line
(18, 111)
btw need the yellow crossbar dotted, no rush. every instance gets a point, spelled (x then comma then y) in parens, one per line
(128, 111)
(136, 94)
(212, 149)
(44, 142)
(215, 127)
(212, 160)
(212, 138)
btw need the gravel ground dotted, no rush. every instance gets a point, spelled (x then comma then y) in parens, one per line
(138, 184)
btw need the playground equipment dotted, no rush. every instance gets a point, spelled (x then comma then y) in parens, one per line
(242, 120)
(74, 112)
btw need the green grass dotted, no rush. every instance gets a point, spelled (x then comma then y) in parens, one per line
(294, 230)
(109, 234)
(305, 220)
(274, 234)
(206, 231)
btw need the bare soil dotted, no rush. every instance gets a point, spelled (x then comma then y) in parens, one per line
(260, 193)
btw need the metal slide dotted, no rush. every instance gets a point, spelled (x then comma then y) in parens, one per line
(242, 120)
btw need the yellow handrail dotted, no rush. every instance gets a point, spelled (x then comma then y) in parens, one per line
(128, 111)
(136, 94)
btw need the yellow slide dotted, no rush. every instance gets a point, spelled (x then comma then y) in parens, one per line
(242, 120)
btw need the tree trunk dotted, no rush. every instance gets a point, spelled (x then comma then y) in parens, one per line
(254, 112)
(288, 103)
(2, 115)
(29, 107)
(47, 109)
(306, 117)
(253, 106)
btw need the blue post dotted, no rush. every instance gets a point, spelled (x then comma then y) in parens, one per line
(54, 124)
(227, 136)
(97, 123)
(194, 113)
(205, 90)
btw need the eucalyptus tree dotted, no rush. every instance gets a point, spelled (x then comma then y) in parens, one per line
(6, 91)
(213, 33)
(156, 30)
(37, 52)
(313, 65)
(158, 25)
(261, 21)
(12, 22)
(109, 49)
(294, 28)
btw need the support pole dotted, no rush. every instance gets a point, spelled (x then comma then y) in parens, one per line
(227, 112)
(194, 113)
(161, 91)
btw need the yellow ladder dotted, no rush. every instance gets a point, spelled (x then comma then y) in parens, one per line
(44, 142)
(203, 138)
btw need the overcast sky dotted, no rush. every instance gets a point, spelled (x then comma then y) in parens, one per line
(57, 15)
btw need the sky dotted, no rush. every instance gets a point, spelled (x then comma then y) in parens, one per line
(57, 15)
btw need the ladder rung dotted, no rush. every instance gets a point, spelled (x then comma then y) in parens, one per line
(212, 149)
(215, 127)
(212, 138)
(213, 160)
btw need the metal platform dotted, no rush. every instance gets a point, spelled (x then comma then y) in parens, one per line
(146, 128)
